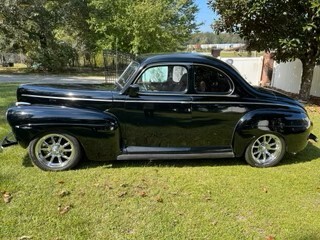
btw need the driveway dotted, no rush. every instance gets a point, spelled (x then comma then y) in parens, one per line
(28, 78)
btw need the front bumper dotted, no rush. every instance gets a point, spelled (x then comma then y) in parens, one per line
(8, 141)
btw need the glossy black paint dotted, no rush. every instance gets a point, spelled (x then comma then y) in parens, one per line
(98, 132)
(123, 123)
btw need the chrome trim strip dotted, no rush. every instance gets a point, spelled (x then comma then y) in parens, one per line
(164, 156)
(154, 101)
(22, 104)
(68, 98)
(160, 101)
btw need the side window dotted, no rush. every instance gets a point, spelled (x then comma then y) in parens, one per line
(167, 78)
(211, 80)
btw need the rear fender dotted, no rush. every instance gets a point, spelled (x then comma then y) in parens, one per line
(97, 132)
(293, 126)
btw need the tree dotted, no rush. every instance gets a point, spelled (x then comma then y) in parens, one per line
(212, 38)
(142, 26)
(28, 26)
(75, 29)
(290, 28)
(55, 32)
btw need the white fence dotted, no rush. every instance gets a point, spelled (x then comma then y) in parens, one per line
(250, 68)
(287, 76)
(315, 88)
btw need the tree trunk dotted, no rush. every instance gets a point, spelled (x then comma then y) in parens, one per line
(306, 80)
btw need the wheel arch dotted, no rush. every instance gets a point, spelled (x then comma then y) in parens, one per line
(97, 132)
(292, 126)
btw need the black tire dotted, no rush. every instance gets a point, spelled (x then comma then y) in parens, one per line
(265, 151)
(55, 152)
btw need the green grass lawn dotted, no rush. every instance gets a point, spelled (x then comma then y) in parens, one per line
(208, 199)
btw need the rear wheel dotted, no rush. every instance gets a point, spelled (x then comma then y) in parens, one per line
(55, 152)
(265, 151)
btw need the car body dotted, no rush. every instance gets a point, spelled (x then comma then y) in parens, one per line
(167, 106)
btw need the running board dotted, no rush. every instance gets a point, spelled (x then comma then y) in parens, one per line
(162, 156)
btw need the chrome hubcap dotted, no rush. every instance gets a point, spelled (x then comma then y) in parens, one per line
(266, 149)
(54, 150)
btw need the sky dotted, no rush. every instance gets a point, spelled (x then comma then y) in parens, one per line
(205, 15)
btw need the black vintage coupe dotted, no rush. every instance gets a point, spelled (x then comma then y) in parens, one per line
(170, 106)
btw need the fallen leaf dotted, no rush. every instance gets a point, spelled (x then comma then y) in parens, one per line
(124, 185)
(65, 209)
(214, 223)
(7, 197)
(270, 238)
(207, 198)
(142, 194)
(122, 194)
(241, 218)
(25, 238)
(130, 231)
(64, 193)
(109, 187)
(159, 199)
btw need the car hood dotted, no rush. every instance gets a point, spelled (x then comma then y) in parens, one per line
(45, 93)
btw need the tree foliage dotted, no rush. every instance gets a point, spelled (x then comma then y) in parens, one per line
(29, 28)
(290, 28)
(212, 38)
(141, 26)
(55, 32)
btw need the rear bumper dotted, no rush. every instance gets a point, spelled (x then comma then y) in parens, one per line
(8, 141)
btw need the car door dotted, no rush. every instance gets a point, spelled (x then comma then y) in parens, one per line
(216, 109)
(159, 116)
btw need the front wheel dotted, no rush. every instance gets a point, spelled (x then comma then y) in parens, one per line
(265, 151)
(55, 152)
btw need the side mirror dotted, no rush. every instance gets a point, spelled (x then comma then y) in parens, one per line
(133, 90)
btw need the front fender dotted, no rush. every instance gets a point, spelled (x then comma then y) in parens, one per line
(293, 126)
(98, 132)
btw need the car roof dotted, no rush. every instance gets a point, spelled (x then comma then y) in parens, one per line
(177, 57)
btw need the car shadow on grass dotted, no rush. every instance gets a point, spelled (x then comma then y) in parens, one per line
(167, 163)
(310, 153)
(26, 161)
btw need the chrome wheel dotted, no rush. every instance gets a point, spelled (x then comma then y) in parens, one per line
(265, 151)
(266, 148)
(55, 152)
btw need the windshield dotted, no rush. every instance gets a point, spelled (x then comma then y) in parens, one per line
(127, 73)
